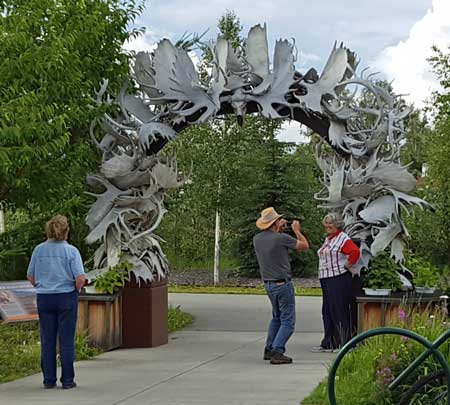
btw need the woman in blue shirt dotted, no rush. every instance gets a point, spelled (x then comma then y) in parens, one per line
(56, 271)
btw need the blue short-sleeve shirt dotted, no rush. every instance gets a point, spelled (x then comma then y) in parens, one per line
(54, 266)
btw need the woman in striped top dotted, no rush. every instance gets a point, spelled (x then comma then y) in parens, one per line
(337, 256)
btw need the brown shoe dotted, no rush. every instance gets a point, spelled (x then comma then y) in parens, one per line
(267, 354)
(280, 358)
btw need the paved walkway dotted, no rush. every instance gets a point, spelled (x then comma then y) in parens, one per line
(217, 360)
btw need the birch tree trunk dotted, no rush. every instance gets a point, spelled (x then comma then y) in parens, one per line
(2, 221)
(217, 249)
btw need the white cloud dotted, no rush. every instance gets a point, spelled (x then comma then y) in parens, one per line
(145, 42)
(366, 27)
(292, 131)
(406, 62)
(304, 59)
(148, 42)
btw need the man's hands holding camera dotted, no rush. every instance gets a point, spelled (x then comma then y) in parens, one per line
(302, 243)
(283, 224)
(295, 226)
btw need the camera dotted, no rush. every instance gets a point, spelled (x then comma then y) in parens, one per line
(291, 220)
(288, 227)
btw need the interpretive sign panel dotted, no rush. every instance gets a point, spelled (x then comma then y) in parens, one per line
(18, 301)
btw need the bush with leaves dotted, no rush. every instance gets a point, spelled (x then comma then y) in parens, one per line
(114, 279)
(382, 273)
(425, 274)
(53, 56)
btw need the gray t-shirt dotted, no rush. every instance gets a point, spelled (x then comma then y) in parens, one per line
(272, 253)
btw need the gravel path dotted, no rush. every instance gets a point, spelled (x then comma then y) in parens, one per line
(228, 278)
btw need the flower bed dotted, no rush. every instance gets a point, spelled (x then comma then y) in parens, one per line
(365, 373)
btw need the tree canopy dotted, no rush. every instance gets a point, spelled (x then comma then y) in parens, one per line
(53, 55)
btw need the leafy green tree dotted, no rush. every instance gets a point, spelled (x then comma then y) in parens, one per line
(414, 152)
(439, 152)
(212, 150)
(214, 156)
(53, 55)
(281, 175)
(430, 233)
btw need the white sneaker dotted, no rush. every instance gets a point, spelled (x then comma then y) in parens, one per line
(320, 349)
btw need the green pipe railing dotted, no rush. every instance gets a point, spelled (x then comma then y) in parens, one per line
(432, 348)
(417, 362)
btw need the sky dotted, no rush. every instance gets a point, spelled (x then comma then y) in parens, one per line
(392, 37)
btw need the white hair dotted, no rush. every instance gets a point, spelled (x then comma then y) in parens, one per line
(335, 219)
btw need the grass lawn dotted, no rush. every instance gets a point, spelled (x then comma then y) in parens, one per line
(259, 290)
(20, 346)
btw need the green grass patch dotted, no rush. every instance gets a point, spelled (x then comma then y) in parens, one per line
(318, 395)
(20, 350)
(259, 290)
(178, 319)
(364, 374)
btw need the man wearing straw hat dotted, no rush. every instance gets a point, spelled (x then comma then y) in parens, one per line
(271, 247)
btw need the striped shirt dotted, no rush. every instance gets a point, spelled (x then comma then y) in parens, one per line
(337, 250)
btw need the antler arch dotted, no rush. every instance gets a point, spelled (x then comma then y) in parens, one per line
(363, 178)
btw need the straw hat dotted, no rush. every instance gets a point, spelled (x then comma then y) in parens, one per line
(268, 217)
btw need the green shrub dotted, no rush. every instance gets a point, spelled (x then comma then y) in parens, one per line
(382, 273)
(445, 280)
(178, 319)
(425, 274)
(114, 279)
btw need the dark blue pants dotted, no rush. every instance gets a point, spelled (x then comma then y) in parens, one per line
(58, 317)
(336, 312)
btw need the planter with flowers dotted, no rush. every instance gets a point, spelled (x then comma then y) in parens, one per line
(374, 310)
(382, 277)
(426, 276)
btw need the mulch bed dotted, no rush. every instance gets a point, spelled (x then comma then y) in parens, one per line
(228, 278)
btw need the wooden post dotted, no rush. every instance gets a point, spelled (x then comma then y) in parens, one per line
(360, 325)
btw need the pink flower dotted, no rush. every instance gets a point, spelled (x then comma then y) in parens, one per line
(401, 314)
(385, 376)
(405, 338)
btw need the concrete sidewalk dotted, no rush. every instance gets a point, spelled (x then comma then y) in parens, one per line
(217, 360)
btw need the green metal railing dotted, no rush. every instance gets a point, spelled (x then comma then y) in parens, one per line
(432, 348)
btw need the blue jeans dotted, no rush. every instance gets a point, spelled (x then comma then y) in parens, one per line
(282, 325)
(58, 317)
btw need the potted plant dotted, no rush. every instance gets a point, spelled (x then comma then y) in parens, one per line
(382, 277)
(114, 279)
(445, 287)
(100, 312)
(111, 281)
(426, 276)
